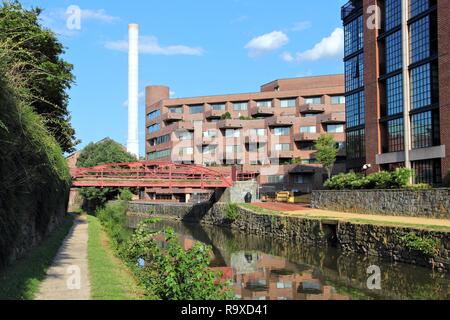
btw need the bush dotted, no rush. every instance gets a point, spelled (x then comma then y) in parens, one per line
(126, 195)
(231, 212)
(226, 116)
(425, 245)
(113, 217)
(381, 180)
(420, 186)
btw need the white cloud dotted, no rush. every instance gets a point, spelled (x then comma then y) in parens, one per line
(266, 43)
(150, 45)
(287, 56)
(329, 47)
(301, 26)
(97, 15)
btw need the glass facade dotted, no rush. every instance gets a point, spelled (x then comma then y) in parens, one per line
(355, 109)
(393, 14)
(394, 95)
(394, 54)
(396, 135)
(356, 144)
(154, 115)
(240, 106)
(416, 7)
(288, 103)
(218, 106)
(425, 130)
(421, 86)
(196, 109)
(354, 73)
(353, 36)
(428, 171)
(154, 128)
(420, 39)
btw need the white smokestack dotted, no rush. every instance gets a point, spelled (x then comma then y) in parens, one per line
(133, 89)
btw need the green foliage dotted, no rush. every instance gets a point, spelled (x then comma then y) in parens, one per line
(296, 161)
(102, 152)
(326, 152)
(169, 272)
(245, 118)
(36, 52)
(126, 195)
(21, 280)
(426, 245)
(420, 186)
(397, 179)
(226, 116)
(232, 211)
(34, 177)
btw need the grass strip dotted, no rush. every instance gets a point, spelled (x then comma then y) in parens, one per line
(110, 279)
(22, 279)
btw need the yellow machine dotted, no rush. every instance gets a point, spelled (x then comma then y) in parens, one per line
(289, 197)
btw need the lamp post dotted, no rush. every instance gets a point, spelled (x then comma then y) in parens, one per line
(365, 168)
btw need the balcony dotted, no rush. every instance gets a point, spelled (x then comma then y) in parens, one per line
(262, 111)
(172, 117)
(333, 118)
(185, 125)
(306, 137)
(312, 108)
(282, 155)
(231, 124)
(252, 139)
(280, 121)
(214, 114)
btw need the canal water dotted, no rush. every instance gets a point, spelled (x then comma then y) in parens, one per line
(263, 268)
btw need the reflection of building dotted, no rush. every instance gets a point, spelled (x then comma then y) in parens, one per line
(257, 130)
(398, 86)
(275, 278)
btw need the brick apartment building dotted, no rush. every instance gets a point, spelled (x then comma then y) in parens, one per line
(270, 133)
(398, 86)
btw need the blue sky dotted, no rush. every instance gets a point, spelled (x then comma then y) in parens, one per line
(197, 47)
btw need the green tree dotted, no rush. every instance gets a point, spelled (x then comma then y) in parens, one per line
(37, 52)
(102, 152)
(226, 116)
(326, 152)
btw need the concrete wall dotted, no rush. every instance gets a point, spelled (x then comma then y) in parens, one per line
(365, 239)
(413, 203)
(238, 192)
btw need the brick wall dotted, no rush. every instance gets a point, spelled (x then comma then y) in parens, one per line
(444, 78)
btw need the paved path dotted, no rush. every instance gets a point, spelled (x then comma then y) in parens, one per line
(304, 210)
(68, 277)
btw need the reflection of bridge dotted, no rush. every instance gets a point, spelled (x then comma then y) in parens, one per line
(153, 174)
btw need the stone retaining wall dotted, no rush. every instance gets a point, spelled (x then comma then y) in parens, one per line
(370, 240)
(413, 203)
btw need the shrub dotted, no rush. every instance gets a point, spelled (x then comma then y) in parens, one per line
(419, 186)
(114, 219)
(226, 116)
(381, 180)
(126, 195)
(232, 212)
(425, 245)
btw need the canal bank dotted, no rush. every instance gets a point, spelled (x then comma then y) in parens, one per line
(425, 245)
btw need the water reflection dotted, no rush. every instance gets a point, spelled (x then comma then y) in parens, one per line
(265, 268)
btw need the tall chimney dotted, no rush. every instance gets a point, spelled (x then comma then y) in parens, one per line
(133, 90)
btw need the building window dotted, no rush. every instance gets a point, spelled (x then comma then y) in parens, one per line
(313, 100)
(159, 154)
(428, 171)
(308, 129)
(396, 135)
(420, 40)
(354, 73)
(176, 109)
(308, 146)
(218, 107)
(196, 109)
(337, 100)
(418, 6)
(275, 179)
(257, 132)
(425, 130)
(160, 140)
(335, 128)
(154, 128)
(288, 103)
(283, 147)
(240, 106)
(309, 115)
(188, 151)
(209, 150)
(355, 112)
(185, 136)
(421, 86)
(264, 104)
(393, 14)
(210, 134)
(394, 95)
(299, 179)
(356, 144)
(232, 133)
(233, 149)
(353, 36)
(394, 54)
(282, 131)
(154, 115)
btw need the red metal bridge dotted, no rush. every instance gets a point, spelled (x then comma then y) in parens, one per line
(151, 174)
